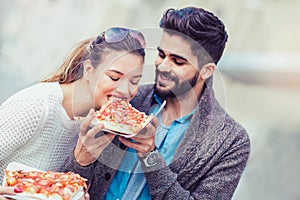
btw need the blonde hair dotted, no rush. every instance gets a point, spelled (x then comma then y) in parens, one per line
(70, 70)
(91, 49)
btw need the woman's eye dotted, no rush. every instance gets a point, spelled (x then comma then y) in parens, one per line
(114, 79)
(135, 82)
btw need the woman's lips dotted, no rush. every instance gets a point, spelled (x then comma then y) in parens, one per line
(114, 97)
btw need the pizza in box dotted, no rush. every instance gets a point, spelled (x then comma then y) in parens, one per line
(45, 185)
(119, 116)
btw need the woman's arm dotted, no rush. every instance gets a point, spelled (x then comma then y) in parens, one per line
(20, 121)
(89, 147)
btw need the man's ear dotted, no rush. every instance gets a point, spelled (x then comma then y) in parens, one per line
(207, 70)
(87, 68)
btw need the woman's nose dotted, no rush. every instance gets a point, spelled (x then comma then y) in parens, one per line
(122, 89)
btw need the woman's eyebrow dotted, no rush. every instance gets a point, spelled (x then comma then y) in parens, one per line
(138, 76)
(115, 71)
(120, 73)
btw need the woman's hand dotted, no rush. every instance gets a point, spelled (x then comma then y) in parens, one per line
(91, 141)
(144, 141)
(7, 190)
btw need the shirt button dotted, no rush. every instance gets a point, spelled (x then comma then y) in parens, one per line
(107, 176)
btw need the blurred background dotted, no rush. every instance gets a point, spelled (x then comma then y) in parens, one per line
(258, 78)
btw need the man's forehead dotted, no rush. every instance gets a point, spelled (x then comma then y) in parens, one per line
(177, 45)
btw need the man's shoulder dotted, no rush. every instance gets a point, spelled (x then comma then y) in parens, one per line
(236, 131)
(143, 99)
(145, 89)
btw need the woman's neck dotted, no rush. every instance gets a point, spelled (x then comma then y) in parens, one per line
(76, 102)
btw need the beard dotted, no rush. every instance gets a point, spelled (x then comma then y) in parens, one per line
(179, 89)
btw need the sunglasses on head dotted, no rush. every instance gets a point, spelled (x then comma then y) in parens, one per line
(117, 34)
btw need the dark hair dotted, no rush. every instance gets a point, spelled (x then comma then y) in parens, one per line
(200, 25)
(93, 49)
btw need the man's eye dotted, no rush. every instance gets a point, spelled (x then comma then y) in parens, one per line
(178, 61)
(162, 55)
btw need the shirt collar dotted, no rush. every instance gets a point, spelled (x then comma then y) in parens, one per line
(182, 119)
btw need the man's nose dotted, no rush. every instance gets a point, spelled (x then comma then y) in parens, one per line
(165, 65)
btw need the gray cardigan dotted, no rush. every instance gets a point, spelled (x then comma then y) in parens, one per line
(207, 164)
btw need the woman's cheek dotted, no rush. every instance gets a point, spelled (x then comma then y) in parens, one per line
(134, 91)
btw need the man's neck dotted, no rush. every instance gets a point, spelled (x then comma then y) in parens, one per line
(180, 106)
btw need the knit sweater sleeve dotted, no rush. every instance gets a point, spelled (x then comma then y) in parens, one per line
(219, 182)
(20, 120)
(84, 171)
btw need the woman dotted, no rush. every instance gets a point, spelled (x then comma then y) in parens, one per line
(37, 124)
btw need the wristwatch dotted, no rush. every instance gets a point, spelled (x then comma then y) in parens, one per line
(151, 159)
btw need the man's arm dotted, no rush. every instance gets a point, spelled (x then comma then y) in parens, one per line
(219, 182)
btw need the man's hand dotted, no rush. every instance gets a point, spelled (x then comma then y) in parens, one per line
(144, 140)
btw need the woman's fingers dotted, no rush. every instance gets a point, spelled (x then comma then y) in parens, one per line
(105, 140)
(7, 190)
(84, 126)
(95, 130)
(89, 147)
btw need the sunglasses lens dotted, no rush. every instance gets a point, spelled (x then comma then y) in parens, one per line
(117, 34)
(113, 35)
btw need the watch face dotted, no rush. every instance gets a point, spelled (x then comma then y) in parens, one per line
(152, 158)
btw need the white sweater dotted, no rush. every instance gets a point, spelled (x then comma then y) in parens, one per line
(35, 129)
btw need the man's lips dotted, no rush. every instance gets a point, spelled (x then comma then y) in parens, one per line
(164, 79)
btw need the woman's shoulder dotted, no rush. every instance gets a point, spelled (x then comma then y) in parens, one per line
(39, 91)
(38, 98)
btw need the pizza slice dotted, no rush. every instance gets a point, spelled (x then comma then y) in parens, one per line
(120, 116)
(45, 185)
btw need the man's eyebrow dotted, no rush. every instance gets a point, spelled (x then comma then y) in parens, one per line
(177, 56)
(173, 55)
(159, 49)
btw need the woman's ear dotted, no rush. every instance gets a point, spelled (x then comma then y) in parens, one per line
(87, 68)
(207, 70)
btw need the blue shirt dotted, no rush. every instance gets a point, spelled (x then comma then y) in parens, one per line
(167, 140)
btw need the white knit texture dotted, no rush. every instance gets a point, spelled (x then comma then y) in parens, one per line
(35, 130)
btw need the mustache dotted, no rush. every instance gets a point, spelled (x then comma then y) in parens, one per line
(166, 74)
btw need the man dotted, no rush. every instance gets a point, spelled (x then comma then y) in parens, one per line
(200, 152)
